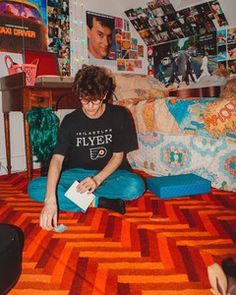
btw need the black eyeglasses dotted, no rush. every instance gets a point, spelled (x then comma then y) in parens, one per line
(85, 101)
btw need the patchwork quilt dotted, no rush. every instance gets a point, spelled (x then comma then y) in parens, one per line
(178, 136)
(161, 154)
(211, 117)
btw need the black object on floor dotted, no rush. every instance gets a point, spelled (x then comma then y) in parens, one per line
(11, 247)
(229, 266)
(117, 205)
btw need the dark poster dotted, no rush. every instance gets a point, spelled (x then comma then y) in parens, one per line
(23, 25)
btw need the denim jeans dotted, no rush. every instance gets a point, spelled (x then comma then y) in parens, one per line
(121, 184)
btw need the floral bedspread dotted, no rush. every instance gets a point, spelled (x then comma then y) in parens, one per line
(179, 136)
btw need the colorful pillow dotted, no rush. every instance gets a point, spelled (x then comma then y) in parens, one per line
(138, 86)
(220, 117)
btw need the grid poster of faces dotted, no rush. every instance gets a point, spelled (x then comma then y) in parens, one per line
(226, 49)
(129, 53)
(58, 33)
(159, 22)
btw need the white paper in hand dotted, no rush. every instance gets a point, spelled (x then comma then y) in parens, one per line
(83, 200)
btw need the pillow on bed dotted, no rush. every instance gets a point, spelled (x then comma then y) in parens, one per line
(138, 86)
(220, 117)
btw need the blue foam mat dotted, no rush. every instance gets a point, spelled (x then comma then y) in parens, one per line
(178, 185)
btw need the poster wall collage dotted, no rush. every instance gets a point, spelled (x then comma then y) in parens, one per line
(185, 45)
(44, 25)
(110, 38)
(197, 36)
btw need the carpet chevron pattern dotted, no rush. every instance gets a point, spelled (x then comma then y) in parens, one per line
(158, 247)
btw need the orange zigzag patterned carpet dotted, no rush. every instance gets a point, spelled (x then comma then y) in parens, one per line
(158, 247)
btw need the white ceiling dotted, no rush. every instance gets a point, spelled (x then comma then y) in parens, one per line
(180, 4)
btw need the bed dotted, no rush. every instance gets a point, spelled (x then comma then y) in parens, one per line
(184, 135)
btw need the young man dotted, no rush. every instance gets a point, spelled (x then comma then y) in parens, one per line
(99, 31)
(94, 141)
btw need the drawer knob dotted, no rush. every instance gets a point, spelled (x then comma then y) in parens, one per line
(40, 99)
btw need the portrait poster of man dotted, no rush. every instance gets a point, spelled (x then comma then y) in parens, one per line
(101, 36)
(23, 24)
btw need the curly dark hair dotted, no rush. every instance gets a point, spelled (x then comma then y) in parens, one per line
(92, 83)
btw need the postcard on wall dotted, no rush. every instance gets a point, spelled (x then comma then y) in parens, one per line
(118, 23)
(126, 25)
(129, 65)
(140, 50)
(138, 64)
(231, 35)
(120, 64)
(133, 54)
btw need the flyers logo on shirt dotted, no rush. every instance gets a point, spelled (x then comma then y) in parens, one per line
(98, 152)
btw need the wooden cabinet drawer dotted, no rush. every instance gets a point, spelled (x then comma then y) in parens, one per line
(40, 99)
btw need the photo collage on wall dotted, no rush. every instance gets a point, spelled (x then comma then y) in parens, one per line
(226, 49)
(58, 33)
(114, 43)
(159, 22)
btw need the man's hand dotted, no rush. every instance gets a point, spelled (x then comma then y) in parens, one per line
(48, 217)
(89, 184)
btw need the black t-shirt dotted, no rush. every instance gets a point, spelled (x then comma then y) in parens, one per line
(89, 143)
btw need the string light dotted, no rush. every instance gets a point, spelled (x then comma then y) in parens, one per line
(78, 35)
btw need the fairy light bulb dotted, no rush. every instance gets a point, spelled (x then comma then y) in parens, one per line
(78, 34)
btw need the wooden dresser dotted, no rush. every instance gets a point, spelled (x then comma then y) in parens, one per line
(17, 97)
